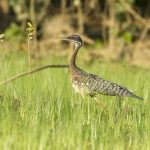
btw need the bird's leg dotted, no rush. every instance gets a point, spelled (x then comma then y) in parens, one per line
(101, 104)
(122, 108)
(88, 111)
(119, 103)
(87, 101)
(83, 96)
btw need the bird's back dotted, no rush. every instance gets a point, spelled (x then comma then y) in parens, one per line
(87, 83)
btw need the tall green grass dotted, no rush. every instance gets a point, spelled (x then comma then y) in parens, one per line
(43, 112)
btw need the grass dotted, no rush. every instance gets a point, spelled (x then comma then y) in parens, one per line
(43, 112)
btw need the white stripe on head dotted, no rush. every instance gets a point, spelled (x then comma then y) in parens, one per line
(76, 43)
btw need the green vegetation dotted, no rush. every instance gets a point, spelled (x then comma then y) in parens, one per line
(42, 111)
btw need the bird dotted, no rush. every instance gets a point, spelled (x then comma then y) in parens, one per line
(90, 84)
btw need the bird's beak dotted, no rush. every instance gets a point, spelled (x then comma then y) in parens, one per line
(63, 38)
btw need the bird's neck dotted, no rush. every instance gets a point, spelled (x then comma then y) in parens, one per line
(72, 64)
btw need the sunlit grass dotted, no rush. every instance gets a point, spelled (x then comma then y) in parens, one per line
(42, 111)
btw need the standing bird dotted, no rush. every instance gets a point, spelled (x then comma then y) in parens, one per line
(90, 84)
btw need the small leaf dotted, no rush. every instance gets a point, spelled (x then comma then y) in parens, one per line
(30, 24)
(29, 27)
(2, 36)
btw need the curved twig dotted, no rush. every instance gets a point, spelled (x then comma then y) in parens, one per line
(31, 72)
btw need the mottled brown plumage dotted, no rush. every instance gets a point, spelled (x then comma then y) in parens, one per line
(90, 84)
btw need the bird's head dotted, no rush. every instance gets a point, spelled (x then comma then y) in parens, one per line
(76, 39)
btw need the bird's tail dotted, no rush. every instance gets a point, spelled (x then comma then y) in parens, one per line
(136, 97)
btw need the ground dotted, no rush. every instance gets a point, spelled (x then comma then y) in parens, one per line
(42, 111)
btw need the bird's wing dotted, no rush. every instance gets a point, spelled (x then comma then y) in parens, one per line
(99, 85)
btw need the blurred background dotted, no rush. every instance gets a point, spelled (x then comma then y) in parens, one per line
(112, 30)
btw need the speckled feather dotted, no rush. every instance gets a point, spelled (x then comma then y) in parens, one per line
(90, 84)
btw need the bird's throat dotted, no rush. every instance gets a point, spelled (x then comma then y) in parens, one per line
(72, 64)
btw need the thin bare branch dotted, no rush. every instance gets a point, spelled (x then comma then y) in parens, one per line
(137, 16)
(22, 74)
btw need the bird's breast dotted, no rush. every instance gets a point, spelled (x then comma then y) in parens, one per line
(79, 86)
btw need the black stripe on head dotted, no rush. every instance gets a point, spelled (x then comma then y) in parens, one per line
(75, 38)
